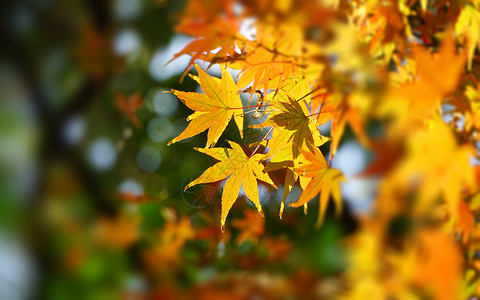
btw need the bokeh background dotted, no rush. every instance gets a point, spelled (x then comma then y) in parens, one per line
(91, 198)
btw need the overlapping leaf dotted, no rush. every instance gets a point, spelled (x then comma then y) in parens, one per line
(294, 131)
(325, 181)
(243, 171)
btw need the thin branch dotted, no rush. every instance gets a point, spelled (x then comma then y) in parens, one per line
(258, 146)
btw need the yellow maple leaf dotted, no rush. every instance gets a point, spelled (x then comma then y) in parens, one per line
(325, 181)
(342, 111)
(243, 171)
(444, 169)
(293, 131)
(214, 109)
(424, 4)
(468, 27)
(437, 76)
(278, 53)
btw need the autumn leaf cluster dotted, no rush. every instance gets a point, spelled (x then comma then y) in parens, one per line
(400, 75)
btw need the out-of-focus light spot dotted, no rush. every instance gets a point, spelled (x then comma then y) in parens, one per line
(135, 284)
(325, 127)
(234, 73)
(241, 193)
(350, 158)
(127, 133)
(238, 9)
(358, 192)
(17, 274)
(74, 130)
(159, 129)
(158, 70)
(21, 19)
(162, 103)
(126, 42)
(474, 161)
(221, 249)
(18, 137)
(149, 159)
(51, 67)
(263, 195)
(131, 187)
(212, 70)
(178, 127)
(215, 70)
(102, 154)
(248, 28)
(206, 274)
(127, 9)
(292, 196)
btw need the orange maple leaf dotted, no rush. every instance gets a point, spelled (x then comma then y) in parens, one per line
(128, 106)
(325, 181)
(252, 227)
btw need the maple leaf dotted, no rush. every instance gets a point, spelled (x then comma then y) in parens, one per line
(387, 154)
(367, 59)
(214, 109)
(129, 106)
(252, 226)
(293, 131)
(243, 171)
(296, 129)
(466, 221)
(325, 181)
(210, 36)
(273, 55)
(437, 76)
(278, 54)
(468, 27)
(277, 248)
(120, 232)
(432, 165)
(293, 127)
(213, 26)
(94, 53)
(166, 251)
(425, 259)
(341, 112)
(365, 260)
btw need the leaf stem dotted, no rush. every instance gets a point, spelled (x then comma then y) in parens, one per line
(258, 146)
(320, 112)
(251, 106)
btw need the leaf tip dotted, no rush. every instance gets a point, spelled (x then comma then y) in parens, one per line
(260, 211)
(222, 228)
